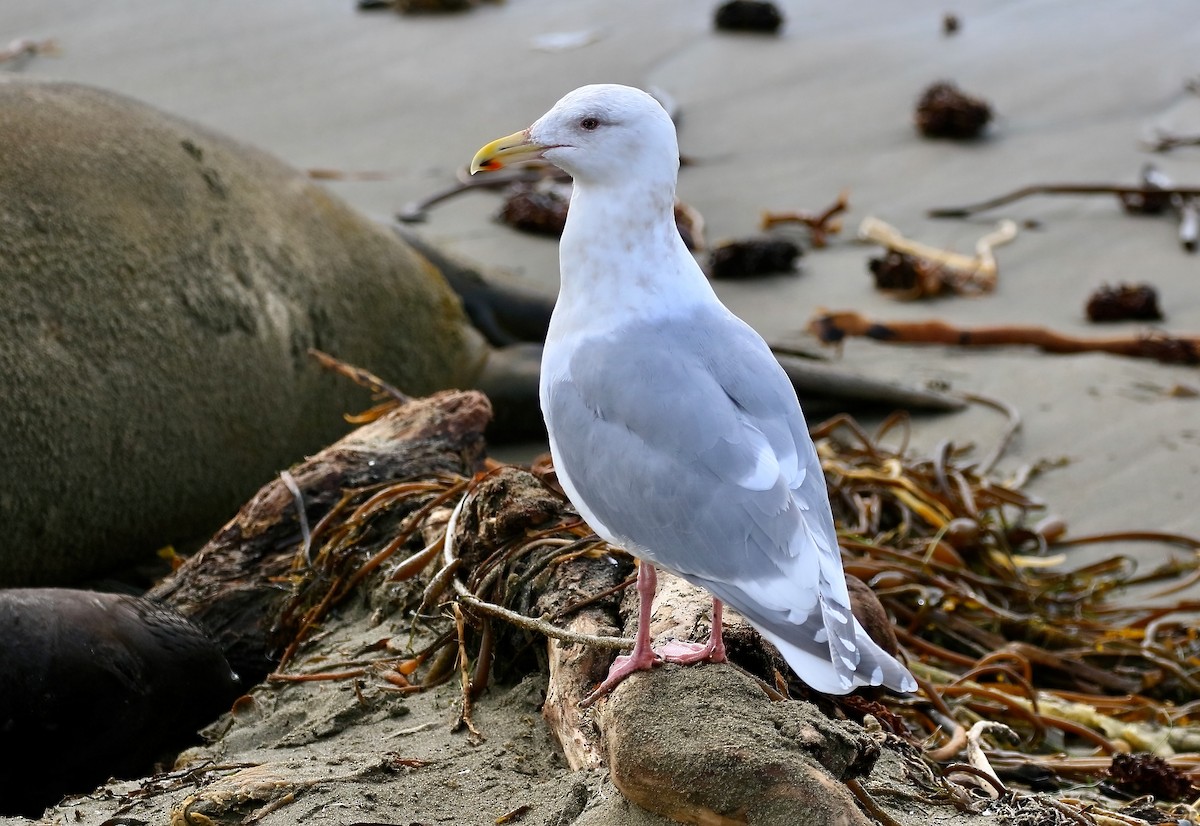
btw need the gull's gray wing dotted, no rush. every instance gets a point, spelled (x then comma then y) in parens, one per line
(682, 440)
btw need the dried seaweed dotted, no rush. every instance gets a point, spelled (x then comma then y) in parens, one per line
(944, 111)
(1000, 628)
(1141, 774)
(1124, 302)
(752, 258)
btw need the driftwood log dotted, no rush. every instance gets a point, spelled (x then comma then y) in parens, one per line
(704, 745)
(700, 745)
(501, 551)
(235, 587)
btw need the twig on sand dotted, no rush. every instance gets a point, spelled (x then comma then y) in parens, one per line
(820, 224)
(418, 211)
(1061, 189)
(1166, 141)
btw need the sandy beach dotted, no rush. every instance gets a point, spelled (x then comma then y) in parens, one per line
(782, 123)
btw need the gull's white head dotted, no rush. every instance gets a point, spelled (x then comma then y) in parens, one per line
(601, 135)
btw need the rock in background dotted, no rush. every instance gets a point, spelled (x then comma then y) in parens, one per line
(161, 287)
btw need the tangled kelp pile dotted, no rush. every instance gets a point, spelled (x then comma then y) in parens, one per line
(1004, 636)
(1083, 663)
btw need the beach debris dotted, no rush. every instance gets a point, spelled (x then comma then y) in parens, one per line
(833, 327)
(1166, 141)
(1142, 773)
(499, 574)
(913, 270)
(23, 48)
(247, 795)
(1153, 199)
(905, 277)
(327, 174)
(514, 815)
(1185, 206)
(752, 258)
(1123, 191)
(1124, 302)
(1152, 196)
(539, 208)
(419, 6)
(418, 211)
(944, 111)
(748, 16)
(690, 223)
(820, 224)
(1189, 223)
(981, 770)
(566, 41)
(951, 24)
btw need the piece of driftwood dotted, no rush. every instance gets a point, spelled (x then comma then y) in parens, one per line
(704, 745)
(573, 670)
(833, 327)
(820, 225)
(1120, 190)
(756, 761)
(936, 270)
(516, 542)
(235, 587)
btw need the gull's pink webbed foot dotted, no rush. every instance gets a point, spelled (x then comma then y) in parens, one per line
(688, 653)
(644, 657)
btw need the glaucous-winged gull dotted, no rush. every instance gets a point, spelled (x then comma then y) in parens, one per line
(673, 429)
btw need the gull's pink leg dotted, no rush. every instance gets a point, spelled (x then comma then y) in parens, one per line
(687, 653)
(642, 658)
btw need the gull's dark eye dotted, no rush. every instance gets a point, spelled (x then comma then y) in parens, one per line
(589, 124)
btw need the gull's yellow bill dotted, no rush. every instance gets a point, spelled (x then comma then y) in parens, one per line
(506, 151)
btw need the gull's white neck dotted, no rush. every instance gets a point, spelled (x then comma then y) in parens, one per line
(621, 259)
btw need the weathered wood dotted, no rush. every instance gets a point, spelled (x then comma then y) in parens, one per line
(574, 669)
(236, 586)
(704, 745)
(764, 763)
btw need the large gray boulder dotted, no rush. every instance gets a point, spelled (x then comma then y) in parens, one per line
(159, 288)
